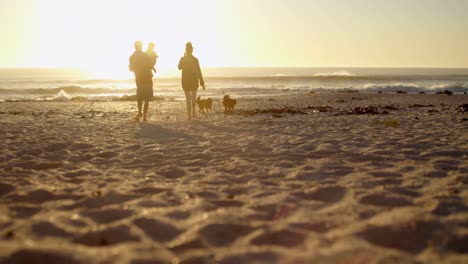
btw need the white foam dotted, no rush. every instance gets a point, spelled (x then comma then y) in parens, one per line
(61, 96)
(338, 73)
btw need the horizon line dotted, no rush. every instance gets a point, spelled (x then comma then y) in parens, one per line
(264, 67)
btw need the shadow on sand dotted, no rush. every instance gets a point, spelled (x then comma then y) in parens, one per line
(159, 134)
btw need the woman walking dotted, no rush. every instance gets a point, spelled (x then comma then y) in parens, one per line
(191, 78)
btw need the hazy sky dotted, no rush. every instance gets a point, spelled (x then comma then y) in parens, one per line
(100, 34)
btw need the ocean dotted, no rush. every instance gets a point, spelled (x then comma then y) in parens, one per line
(36, 84)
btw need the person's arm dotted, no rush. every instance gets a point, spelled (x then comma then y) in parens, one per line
(130, 64)
(154, 64)
(200, 75)
(181, 63)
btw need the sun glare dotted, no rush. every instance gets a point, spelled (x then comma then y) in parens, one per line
(99, 35)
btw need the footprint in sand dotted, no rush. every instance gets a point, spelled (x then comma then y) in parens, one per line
(385, 199)
(329, 194)
(101, 201)
(24, 211)
(458, 244)
(34, 197)
(149, 190)
(80, 146)
(56, 147)
(47, 165)
(105, 216)
(107, 237)
(403, 191)
(227, 203)
(254, 257)
(318, 226)
(194, 244)
(173, 173)
(5, 189)
(384, 182)
(179, 215)
(157, 230)
(385, 174)
(435, 174)
(450, 206)
(36, 256)
(220, 235)
(46, 229)
(411, 237)
(284, 238)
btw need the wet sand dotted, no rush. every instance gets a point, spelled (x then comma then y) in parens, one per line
(312, 178)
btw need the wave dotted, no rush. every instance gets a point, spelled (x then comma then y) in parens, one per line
(414, 88)
(335, 74)
(248, 89)
(67, 89)
(60, 97)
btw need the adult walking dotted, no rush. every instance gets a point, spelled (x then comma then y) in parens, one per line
(191, 78)
(141, 66)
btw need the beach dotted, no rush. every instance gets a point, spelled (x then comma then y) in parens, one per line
(316, 177)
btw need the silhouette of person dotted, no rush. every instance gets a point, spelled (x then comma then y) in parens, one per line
(191, 78)
(153, 56)
(140, 65)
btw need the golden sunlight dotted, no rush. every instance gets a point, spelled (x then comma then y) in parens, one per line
(100, 34)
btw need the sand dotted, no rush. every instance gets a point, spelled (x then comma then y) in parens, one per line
(281, 180)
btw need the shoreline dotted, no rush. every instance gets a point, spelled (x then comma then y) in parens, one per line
(70, 97)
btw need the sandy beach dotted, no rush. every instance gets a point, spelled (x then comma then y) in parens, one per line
(310, 178)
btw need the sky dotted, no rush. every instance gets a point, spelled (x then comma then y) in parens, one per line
(99, 34)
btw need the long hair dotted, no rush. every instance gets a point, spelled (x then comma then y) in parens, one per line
(188, 48)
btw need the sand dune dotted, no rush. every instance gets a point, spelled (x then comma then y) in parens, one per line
(290, 179)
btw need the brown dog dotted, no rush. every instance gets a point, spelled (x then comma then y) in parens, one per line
(229, 103)
(204, 104)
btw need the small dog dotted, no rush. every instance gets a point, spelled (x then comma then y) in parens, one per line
(204, 104)
(228, 103)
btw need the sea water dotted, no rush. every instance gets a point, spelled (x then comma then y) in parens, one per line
(20, 84)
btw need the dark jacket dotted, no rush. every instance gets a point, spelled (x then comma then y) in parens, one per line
(191, 72)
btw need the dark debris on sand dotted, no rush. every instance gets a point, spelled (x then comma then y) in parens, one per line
(420, 105)
(278, 112)
(368, 110)
(275, 111)
(321, 109)
(463, 108)
(447, 92)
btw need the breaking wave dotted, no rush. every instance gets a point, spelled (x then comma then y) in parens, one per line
(60, 97)
(67, 89)
(336, 74)
(414, 88)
